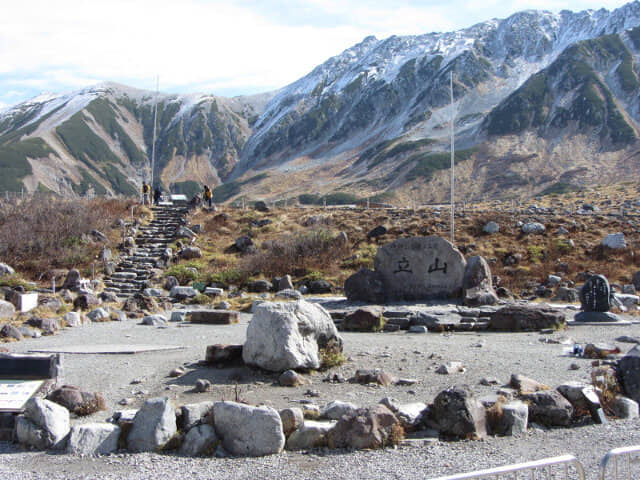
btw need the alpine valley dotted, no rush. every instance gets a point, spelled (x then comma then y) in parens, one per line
(543, 103)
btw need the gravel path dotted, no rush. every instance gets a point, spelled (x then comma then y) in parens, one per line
(402, 354)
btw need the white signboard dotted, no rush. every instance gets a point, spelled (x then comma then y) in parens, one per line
(15, 393)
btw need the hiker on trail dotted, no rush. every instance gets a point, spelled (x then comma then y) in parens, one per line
(156, 196)
(145, 193)
(208, 195)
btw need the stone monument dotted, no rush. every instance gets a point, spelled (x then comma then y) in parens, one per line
(417, 268)
(595, 301)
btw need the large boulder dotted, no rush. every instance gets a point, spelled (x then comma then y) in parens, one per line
(615, 241)
(248, 431)
(373, 427)
(85, 301)
(458, 413)
(153, 426)
(365, 286)
(549, 407)
(477, 286)
(417, 268)
(518, 318)
(284, 336)
(94, 439)
(44, 425)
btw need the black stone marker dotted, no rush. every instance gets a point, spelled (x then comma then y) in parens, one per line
(595, 294)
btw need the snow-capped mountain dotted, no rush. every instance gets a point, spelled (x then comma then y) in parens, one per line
(541, 102)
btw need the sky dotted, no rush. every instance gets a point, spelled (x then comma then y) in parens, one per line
(227, 48)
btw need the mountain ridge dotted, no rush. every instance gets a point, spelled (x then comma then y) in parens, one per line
(372, 121)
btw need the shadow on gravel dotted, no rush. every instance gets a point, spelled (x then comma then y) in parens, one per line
(229, 376)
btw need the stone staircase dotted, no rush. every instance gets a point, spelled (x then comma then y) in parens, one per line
(134, 272)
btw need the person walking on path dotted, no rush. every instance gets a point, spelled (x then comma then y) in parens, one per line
(208, 195)
(156, 196)
(145, 193)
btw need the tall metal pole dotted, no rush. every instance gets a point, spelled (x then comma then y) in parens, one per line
(452, 161)
(153, 145)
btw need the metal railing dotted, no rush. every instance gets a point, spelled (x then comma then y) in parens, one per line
(545, 469)
(612, 458)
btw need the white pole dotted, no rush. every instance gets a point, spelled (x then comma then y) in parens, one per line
(153, 145)
(452, 162)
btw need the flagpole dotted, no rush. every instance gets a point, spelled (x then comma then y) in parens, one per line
(452, 159)
(153, 144)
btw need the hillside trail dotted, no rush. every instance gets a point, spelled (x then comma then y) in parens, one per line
(135, 269)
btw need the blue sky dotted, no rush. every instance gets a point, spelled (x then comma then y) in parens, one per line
(221, 47)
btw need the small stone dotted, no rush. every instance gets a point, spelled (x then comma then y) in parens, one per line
(202, 385)
(450, 367)
(488, 381)
(177, 372)
(574, 366)
(290, 378)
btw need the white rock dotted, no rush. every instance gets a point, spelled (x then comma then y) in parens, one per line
(7, 310)
(533, 227)
(336, 409)
(248, 431)
(626, 408)
(515, 416)
(153, 426)
(182, 293)
(155, 320)
(179, 315)
(291, 418)
(491, 228)
(311, 434)
(286, 335)
(194, 413)
(73, 319)
(45, 424)
(410, 414)
(6, 269)
(94, 439)
(627, 299)
(450, 367)
(199, 440)
(615, 241)
(98, 315)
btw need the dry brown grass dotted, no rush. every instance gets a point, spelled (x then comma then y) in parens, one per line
(46, 232)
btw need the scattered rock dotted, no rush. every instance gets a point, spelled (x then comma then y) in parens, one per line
(77, 400)
(85, 301)
(525, 385)
(199, 440)
(291, 418)
(336, 409)
(517, 318)
(533, 227)
(94, 439)
(155, 320)
(291, 378)
(7, 310)
(373, 427)
(614, 241)
(491, 228)
(10, 331)
(153, 426)
(45, 424)
(450, 367)
(377, 232)
(458, 413)
(549, 408)
(177, 372)
(202, 385)
(599, 350)
(310, 434)
(248, 431)
(194, 414)
(366, 319)
(376, 375)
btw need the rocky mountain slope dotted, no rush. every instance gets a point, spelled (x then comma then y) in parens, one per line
(543, 102)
